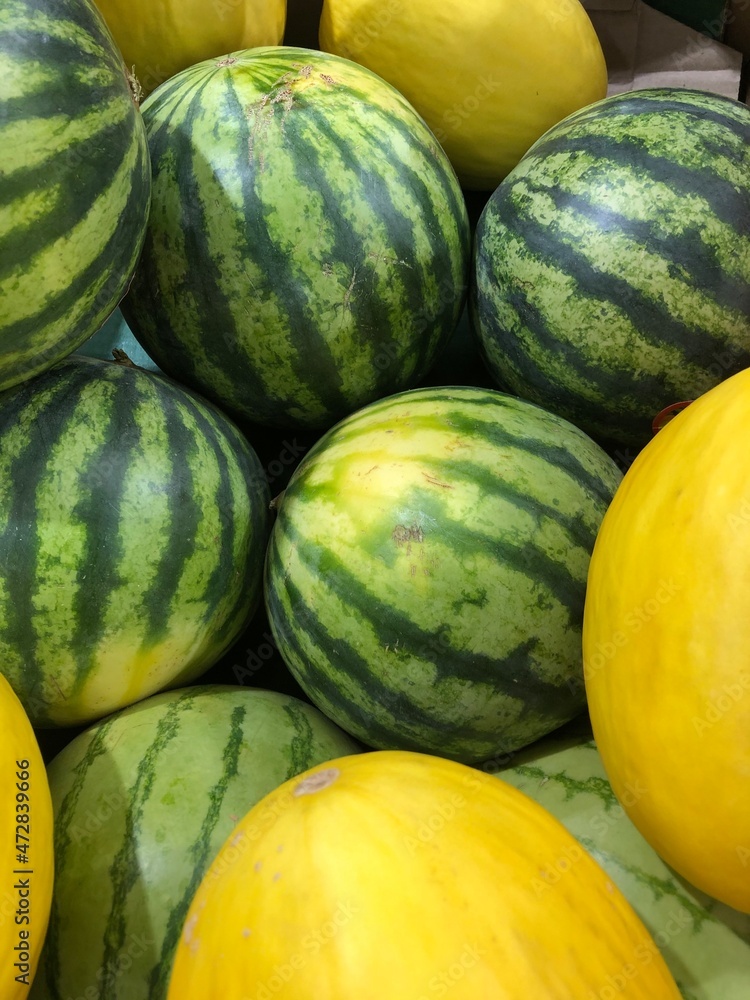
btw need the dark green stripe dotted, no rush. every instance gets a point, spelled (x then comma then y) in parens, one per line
(651, 317)
(691, 105)
(314, 362)
(19, 541)
(301, 744)
(693, 262)
(102, 484)
(321, 687)
(560, 458)
(22, 34)
(622, 391)
(468, 418)
(592, 785)
(659, 887)
(215, 587)
(125, 868)
(371, 323)
(201, 854)
(80, 169)
(178, 547)
(83, 79)
(391, 624)
(110, 271)
(434, 320)
(515, 675)
(170, 143)
(526, 558)
(50, 962)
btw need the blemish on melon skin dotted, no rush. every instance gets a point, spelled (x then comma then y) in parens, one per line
(187, 934)
(257, 866)
(317, 782)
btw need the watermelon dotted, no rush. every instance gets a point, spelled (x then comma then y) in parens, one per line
(74, 182)
(133, 524)
(308, 245)
(143, 800)
(427, 568)
(705, 943)
(611, 270)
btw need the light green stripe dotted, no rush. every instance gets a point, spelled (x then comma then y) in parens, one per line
(406, 441)
(25, 78)
(32, 209)
(30, 143)
(15, 17)
(63, 536)
(618, 255)
(209, 501)
(14, 441)
(235, 594)
(546, 286)
(145, 503)
(62, 261)
(434, 580)
(687, 132)
(263, 323)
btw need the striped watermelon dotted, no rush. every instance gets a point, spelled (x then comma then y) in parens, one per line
(426, 572)
(142, 802)
(133, 525)
(611, 274)
(74, 181)
(705, 943)
(308, 246)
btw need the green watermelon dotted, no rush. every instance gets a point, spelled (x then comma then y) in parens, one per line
(74, 182)
(142, 802)
(133, 524)
(426, 572)
(611, 270)
(705, 943)
(308, 245)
